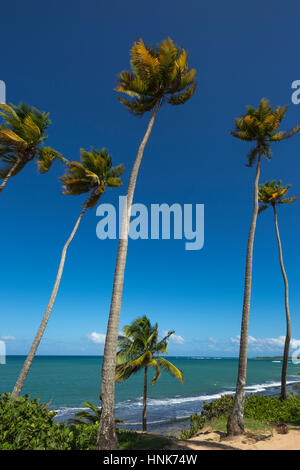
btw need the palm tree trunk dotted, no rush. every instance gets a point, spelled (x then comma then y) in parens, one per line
(107, 438)
(9, 174)
(27, 364)
(235, 424)
(145, 400)
(283, 394)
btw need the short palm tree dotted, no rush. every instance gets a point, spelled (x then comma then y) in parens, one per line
(158, 75)
(21, 138)
(89, 417)
(92, 176)
(272, 194)
(262, 126)
(140, 348)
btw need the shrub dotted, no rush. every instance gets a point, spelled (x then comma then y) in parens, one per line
(257, 407)
(28, 425)
(220, 407)
(197, 423)
(273, 409)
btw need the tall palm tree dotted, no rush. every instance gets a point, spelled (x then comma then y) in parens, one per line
(262, 126)
(140, 348)
(21, 137)
(92, 175)
(159, 75)
(272, 194)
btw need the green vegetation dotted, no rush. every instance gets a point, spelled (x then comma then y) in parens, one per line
(22, 135)
(130, 440)
(252, 425)
(28, 425)
(139, 348)
(89, 417)
(259, 411)
(269, 357)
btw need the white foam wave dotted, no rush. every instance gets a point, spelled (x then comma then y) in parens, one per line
(162, 402)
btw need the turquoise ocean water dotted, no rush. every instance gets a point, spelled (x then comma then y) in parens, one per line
(67, 381)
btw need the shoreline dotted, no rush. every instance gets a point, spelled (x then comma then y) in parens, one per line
(172, 427)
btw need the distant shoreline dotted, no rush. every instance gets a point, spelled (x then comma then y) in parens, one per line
(279, 358)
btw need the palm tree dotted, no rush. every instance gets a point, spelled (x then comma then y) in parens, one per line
(21, 139)
(92, 175)
(89, 417)
(272, 194)
(159, 75)
(140, 348)
(262, 126)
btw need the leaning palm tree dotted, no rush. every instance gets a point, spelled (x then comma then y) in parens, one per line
(159, 75)
(21, 137)
(262, 126)
(140, 348)
(92, 175)
(272, 194)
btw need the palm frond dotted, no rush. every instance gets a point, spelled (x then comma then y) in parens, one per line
(46, 157)
(92, 174)
(271, 193)
(125, 370)
(169, 367)
(262, 125)
(158, 74)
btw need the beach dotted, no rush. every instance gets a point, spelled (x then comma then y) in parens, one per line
(212, 441)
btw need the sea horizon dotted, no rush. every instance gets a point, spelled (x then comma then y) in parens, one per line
(168, 355)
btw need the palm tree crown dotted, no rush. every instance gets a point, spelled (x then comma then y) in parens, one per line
(21, 137)
(140, 347)
(262, 125)
(158, 74)
(272, 193)
(94, 173)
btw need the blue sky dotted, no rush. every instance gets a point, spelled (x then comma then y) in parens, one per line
(64, 57)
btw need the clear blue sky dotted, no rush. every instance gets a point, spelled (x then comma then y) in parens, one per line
(64, 57)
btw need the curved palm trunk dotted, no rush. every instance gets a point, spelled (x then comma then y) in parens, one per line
(283, 394)
(27, 364)
(9, 174)
(235, 424)
(145, 400)
(107, 438)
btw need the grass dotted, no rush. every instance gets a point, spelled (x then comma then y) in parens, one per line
(251, 424)
(130, 440)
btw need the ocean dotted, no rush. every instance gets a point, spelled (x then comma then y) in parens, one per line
(66, 382)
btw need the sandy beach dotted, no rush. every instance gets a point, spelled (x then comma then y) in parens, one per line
(208, 440)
